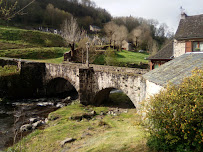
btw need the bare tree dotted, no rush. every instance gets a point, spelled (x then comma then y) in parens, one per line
(81, 53)
(72, 33)
(120, 35)
(110, 28)
(8, 10)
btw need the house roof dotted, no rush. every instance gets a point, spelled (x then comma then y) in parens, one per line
(176, 70)
(165, 53)
(190, 27)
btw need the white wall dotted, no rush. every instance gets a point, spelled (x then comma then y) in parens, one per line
(179, 48)
(152, 89)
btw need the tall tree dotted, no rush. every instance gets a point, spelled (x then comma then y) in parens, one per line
(120, 35)
(72, 33)
(110, 28)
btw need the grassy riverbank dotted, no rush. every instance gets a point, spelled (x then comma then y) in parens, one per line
(107, 133)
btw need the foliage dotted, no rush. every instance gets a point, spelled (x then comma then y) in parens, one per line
(176, 116)
(37, 14)
(110, 57)
(8, 9)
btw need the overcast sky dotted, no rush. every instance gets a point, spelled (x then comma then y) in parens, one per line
(165, 11)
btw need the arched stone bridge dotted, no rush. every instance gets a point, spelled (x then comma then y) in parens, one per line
(93, 84)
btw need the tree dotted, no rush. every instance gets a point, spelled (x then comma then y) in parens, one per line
(110, 28)
(120, 35)
(8, 9)
(72, 33)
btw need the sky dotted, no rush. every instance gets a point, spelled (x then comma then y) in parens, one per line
(165, 11)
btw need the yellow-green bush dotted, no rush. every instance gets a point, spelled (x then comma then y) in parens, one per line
(176, 116)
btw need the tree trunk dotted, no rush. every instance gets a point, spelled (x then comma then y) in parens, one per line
(72, 46)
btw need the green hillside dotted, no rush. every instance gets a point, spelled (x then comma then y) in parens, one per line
(29, 38)
(29, 44)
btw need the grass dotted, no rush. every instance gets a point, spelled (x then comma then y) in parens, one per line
(8, 70)
(109, 133)
(124, 58)
(35, 53)
(33, 45)
(34, 38)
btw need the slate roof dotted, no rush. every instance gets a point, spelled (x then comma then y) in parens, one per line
(176, 70)
(165, 53)
(190, 27)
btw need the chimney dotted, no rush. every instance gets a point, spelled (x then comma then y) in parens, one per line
(183, 15)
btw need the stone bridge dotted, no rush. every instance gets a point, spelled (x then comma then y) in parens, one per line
(93, 83)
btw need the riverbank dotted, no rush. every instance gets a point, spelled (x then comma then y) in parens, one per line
(88, 128)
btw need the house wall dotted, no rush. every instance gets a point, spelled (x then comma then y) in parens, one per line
(152, 89)
(179, 48)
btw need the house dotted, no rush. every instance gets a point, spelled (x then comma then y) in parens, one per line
(173, 71)
(94, 28)
(126, 45)
(188, 38)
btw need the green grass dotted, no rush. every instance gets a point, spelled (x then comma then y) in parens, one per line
(34, 38)
(112, 133)
(8, 70)
(35, 53)
(131, 57)
(124, 58)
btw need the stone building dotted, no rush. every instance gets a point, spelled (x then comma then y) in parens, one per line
(188, 38)
(173, 71)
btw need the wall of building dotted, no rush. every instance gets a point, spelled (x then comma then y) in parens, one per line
(179, 48)
(152, 89)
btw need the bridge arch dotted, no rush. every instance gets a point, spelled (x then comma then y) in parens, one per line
(115, 97)
(60, 87)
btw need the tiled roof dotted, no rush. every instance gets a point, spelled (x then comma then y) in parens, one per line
(190, 27)
(175, 70)
(165, 53)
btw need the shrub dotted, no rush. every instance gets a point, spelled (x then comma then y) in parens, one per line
(176, 116)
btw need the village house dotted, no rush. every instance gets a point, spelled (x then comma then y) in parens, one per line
(94, 28)
(126, 45)
(188, 38)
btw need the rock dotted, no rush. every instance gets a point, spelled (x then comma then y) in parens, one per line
(67, 140)
(67, 100)
(37, 124)
(93, 113)
(102, 113)
(60, 105)
(26, 127)
(33, 120)
(46, 120)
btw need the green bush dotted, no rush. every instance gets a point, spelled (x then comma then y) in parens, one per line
(175, 116)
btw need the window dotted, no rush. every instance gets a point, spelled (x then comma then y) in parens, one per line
(197, 46)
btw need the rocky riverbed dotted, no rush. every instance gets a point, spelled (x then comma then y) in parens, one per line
(20, 117)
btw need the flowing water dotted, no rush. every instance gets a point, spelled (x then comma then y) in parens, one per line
(16, 113)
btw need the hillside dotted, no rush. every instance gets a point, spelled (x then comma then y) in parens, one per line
(28, 44)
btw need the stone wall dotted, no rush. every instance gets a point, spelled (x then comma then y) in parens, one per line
(179, 48)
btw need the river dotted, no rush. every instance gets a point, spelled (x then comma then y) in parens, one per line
(16, 113)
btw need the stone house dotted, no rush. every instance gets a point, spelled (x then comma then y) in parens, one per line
(188, 38)
(126, 45)
(94, 28)
(173, 71)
